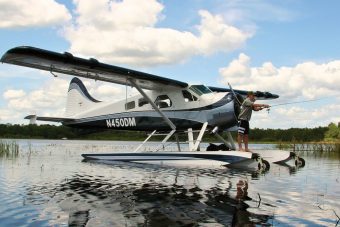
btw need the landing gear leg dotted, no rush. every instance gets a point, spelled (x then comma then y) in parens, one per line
(230, 143)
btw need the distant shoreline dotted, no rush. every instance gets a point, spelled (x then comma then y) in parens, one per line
(207, 141)
(297, 135)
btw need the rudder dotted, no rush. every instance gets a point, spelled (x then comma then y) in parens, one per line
(78, 98)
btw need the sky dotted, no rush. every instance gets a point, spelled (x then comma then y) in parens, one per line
(290, 48)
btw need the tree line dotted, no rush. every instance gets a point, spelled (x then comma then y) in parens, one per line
(332, 132)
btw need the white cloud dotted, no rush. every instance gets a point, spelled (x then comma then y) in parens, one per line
(107, 91)
(297, 116)
(13, 94)
(18, 13)
(50, 99)
(248, 11)
(126, 32)
(305, 81)
(8, 115)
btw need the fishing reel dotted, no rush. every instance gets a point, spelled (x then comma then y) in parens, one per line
(267, 109)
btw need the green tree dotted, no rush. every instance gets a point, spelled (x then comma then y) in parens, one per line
(333, 132)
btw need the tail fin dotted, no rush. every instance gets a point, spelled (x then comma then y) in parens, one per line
(78, 98)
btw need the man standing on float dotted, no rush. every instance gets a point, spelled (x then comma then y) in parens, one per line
(247, 108)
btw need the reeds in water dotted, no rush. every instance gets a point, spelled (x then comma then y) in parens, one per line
(9, 149)
(332, 149)
(320, 147)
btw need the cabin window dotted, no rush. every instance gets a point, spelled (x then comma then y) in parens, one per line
(163, 101)
(142, 102)
(188, 97)
(200, 89)
(130, 105)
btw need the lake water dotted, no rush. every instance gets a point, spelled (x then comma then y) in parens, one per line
(49, 185)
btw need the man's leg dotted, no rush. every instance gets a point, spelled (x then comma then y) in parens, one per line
(245, 136)
(245, 141)
(240, 135)
(239, 141)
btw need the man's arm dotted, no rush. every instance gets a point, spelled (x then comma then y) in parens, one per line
(258, 107)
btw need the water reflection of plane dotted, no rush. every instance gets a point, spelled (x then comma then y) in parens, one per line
(291, 169)
(189, 198)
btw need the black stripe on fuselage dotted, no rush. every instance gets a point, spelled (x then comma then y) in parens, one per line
(141, 123)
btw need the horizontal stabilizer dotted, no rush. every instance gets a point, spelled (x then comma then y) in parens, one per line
(52, 119)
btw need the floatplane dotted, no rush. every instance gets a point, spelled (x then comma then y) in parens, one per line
(163, 106)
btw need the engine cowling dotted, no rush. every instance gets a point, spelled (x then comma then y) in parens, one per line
(226, 116)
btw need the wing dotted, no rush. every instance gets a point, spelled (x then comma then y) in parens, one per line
(258, 94)
(88, 68)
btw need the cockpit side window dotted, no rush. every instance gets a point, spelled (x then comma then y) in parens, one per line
(188, 97)
(142, 102)
(200, 89)
(130, 105)
(163, 101)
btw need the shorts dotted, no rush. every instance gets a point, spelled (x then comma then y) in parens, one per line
(243, 127)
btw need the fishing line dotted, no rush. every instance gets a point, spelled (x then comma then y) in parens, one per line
(303, 101)
(289, 103)
(297, 102)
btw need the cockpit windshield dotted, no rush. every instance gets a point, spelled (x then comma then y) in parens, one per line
(200, 89)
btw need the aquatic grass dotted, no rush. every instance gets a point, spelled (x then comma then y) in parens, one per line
(284, 146)
(330, 149)
(9, 149)
(319, 147)
(29, 153)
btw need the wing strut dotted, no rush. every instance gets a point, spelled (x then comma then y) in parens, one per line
(145, 141)
(199, 137)
(165, 118)
(229, 142)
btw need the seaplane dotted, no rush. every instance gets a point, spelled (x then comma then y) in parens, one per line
(163, 107)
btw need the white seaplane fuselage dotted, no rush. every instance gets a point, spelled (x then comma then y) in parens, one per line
(185, 108)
